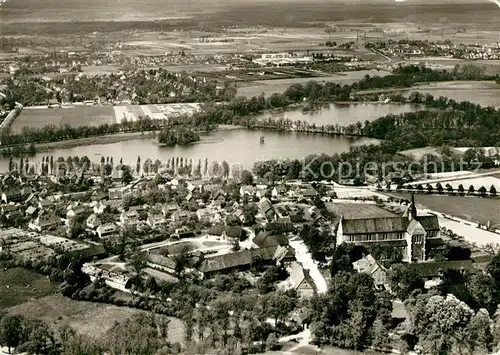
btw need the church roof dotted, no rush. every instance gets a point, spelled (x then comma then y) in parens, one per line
(430, 222)
(374, 225)
(415, 228)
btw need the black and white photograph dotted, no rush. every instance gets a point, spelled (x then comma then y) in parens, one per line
(234, 177)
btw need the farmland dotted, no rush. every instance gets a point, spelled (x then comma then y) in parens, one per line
(92, 319)
(269, 87)
(73, 116)
(97, 115)
(473, 209)
(20, 285)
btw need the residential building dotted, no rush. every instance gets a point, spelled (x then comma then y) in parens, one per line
(266, 240)
(301, 281)
(116, 193)
(98, 195)
(278, 191)
(370, 266)
(156, 220)
(74, 211)
(130, 218)
(106, 230)
(180, 216)
(247, 190)
(93, 221)
(163, 263)
(204, 215)
(45, 221)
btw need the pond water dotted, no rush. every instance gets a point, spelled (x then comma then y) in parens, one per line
(343, 114)
(237, 146)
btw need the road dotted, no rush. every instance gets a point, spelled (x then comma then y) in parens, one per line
(305, 259)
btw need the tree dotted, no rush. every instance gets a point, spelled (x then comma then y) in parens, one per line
(11, 330)
(404, 280)
(493, 190)
(471, 190)
(126, 175)
(225, 169)
(461, 189)
(482, 191)
(138, 166)
(40, 338)
(479, 333)
(249, 213)
(246, 177)
(139, 262)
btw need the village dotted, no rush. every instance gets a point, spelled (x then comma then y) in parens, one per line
(182, 223)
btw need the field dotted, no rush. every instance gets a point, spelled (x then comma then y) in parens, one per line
(74, 116)
(92, 319)
(97, 115)
(20, 285)
(269, 87)
(473, 209)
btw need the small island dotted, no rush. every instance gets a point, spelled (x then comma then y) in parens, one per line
(177, 136)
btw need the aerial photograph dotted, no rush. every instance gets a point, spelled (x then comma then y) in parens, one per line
(229, 177)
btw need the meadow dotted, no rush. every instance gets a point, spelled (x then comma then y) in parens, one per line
(19, 285)
(73, 116)
(92, 319)
(473, 209)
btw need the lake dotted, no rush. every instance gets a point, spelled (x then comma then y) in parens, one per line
(343, 114)
(237, 146)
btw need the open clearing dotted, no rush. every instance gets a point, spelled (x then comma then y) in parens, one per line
(19, 285)
(73, 116)
(92, 319)
(269, 87)
(474, 209)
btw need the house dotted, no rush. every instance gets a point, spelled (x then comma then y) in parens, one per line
(9, 209)
(163, 263)
(266, 240)
(234, 232)
(93, 221)
(44, 221)
(232, 220)
(170, 208)
(130, 218)
(219, 196)
(31, 211)
(241, 260)
(45, 204)
(284, 224)
(11, 195)
(98, 195)
(189, 197)
(32, 200)
(278, 191)
(270, 215)
(265, 205)
(309, 193)
(105, 230)
(411, 233)
(261, 193)
(156, 220)
(301, 281)
(370, 266)
(75, 211)
(180, 216)
(217, 230)
(99, 208)
(284, 255)
(247, 190)
(204, 215)
(192, 188)
(435, 269)
(116, 193)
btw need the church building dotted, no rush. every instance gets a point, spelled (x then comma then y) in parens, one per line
(410, 232)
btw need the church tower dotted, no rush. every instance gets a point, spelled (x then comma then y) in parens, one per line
(412, 209)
